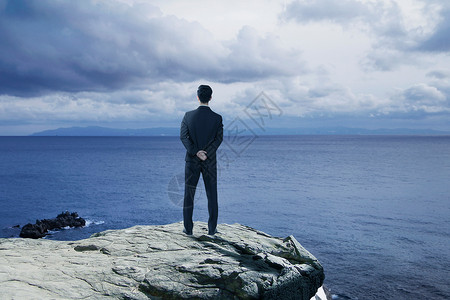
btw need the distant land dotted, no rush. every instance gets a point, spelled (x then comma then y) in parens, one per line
(173, 131)
(105, 131)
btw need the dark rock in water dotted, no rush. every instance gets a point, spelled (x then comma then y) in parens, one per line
(16, 226)
(41, 228)
(33, 231)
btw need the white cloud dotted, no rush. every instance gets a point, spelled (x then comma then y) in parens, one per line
(396, 29)
(419, 100)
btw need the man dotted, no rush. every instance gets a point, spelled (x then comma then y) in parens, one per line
(201, 133)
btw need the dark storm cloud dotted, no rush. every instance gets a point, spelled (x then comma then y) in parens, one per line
(74, 46)
(46, 45)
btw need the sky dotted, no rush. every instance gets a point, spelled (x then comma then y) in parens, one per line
(137, 64)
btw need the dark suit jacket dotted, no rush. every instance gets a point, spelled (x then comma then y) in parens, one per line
(201, 129)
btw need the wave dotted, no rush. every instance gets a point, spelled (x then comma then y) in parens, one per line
(339, 297)
(89, 223)
(93, 222)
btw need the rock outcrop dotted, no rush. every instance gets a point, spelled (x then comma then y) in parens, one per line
(160, 262)
(41, 228)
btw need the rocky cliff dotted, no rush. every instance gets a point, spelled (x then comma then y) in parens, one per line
(160, 262)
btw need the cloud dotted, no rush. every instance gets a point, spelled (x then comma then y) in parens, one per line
(381, 21)
(439, 74)
(302, 98)
(161, 102)
(382, 58)
(384, 18)
(398, 30)
(100, 46)
(424, 94)
(420, 100)
(343, 11)
(439, 40)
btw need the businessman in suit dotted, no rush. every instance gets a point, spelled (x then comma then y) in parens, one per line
(201, 133)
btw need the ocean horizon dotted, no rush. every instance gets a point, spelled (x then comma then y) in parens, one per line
(374, 209)
(231, 129)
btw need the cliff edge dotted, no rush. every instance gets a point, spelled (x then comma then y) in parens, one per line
(160, 262)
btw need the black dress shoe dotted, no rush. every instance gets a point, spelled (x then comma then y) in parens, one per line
(187, 232)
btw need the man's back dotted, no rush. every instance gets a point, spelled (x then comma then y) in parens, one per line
(203, 128)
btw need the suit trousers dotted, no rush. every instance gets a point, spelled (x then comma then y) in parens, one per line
(208, 169)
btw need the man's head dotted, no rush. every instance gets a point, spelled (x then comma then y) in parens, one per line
(204, 93)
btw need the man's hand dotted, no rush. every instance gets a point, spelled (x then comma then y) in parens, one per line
(202, 155)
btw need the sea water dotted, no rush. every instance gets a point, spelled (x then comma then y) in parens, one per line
(375, 210)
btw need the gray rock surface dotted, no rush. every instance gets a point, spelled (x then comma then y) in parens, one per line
(160, 262)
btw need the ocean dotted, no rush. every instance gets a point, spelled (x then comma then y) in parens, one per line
(375, 210)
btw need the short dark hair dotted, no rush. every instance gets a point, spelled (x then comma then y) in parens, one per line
(204, 93)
